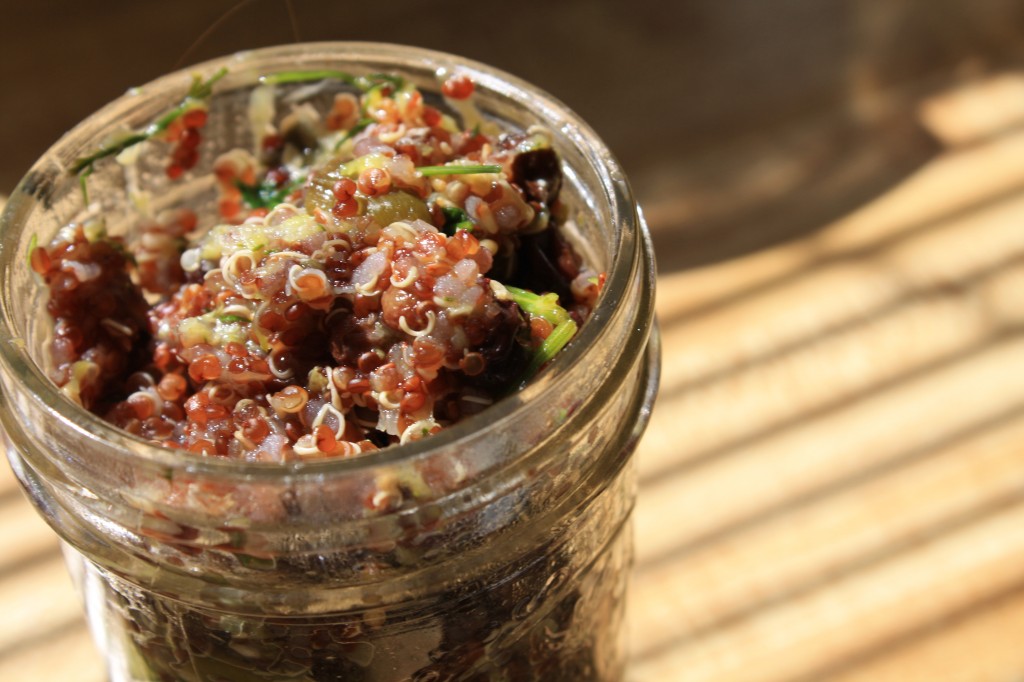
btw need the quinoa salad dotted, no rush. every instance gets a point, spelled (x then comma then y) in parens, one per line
(279, 273)
(376, 270)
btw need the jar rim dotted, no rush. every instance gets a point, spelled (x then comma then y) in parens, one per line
(625, 234)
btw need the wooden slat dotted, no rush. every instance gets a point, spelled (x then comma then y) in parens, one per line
(828, 296)
(804, 546)
(858, 323)
(832, 481)
(35, 602)
(949, 185)
(976, 110)
(27, 538)
(65, 654)
(8, 484)
(802, 637)
(36, 595)
(866, 434)
(982, 644)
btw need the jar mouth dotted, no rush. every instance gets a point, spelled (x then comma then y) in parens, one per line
(625, 234)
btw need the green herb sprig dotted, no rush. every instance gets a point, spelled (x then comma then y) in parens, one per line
(32, 244)
(544, 306)
(539, 305)
(360, 125)
(197, 94)
(549, 348)
(455, 219)
(266, 194)
(457, 169)
(363, 83)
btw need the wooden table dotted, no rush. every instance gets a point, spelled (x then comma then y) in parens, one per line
(832, 486)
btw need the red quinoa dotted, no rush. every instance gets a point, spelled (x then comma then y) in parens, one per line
(351, 295)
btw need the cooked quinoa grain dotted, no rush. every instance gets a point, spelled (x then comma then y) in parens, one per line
(375, 273)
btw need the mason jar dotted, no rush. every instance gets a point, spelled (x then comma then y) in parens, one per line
(505, 550)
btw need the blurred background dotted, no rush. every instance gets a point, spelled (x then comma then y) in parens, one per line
(831, 486)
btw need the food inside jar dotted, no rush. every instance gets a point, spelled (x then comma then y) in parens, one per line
(377, 269)
(382, 262)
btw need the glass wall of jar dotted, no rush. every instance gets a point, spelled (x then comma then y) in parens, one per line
(503, 550)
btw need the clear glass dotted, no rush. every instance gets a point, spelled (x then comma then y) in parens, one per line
(507, 556)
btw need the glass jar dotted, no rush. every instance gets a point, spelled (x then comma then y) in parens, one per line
(504, 550)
